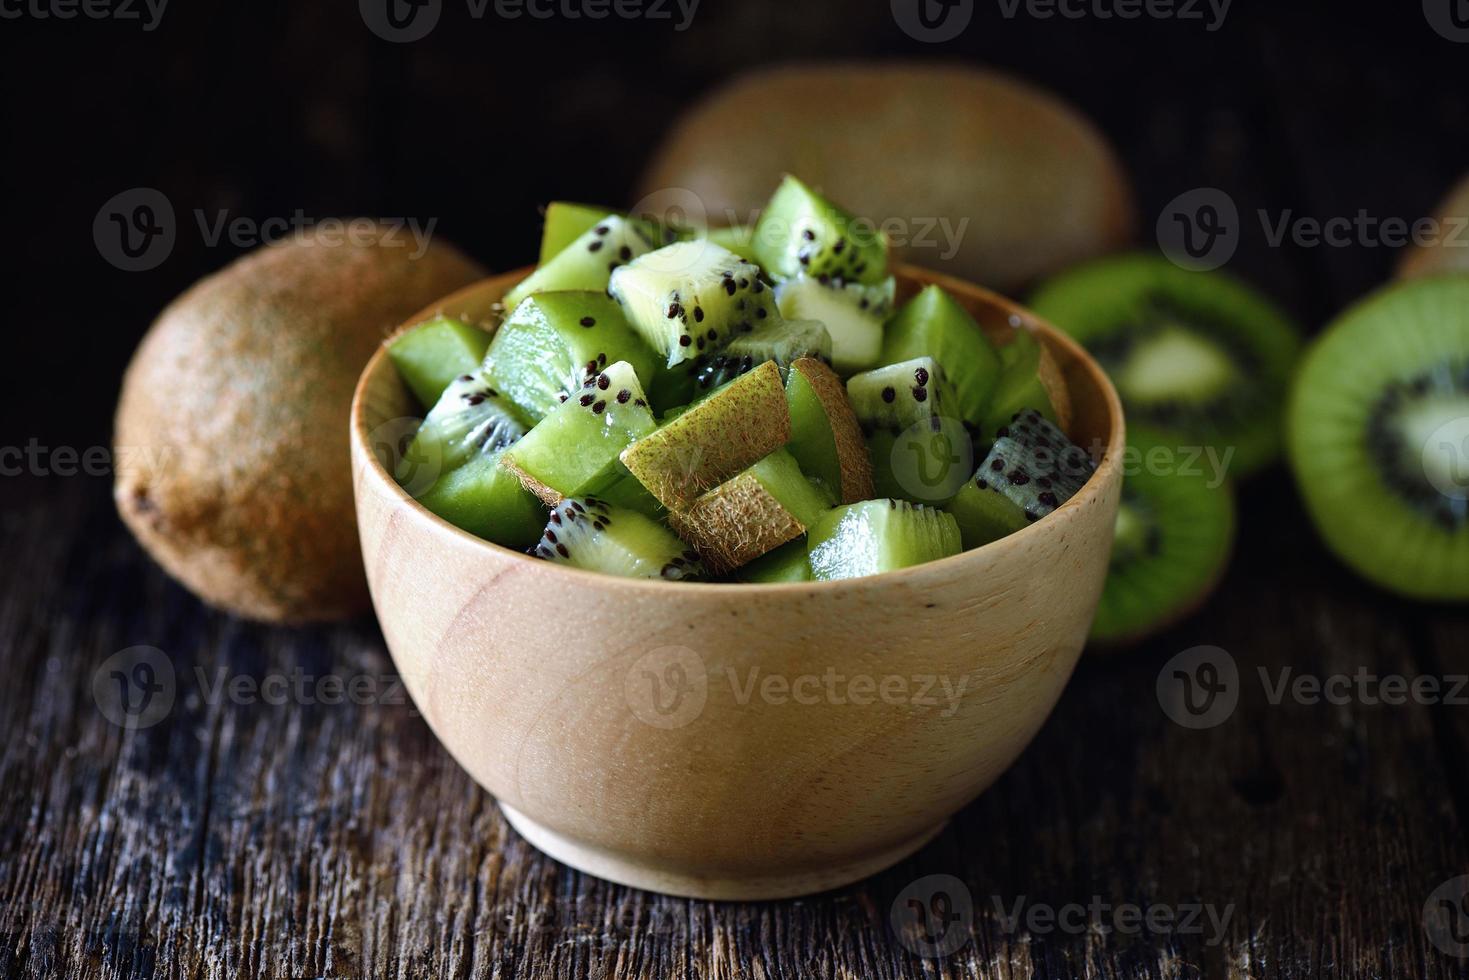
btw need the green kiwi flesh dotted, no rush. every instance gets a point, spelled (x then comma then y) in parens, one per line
(452, 464)
(434, 353)
(553, 341)
(852, 312)
(1019, 386)
(573, 451)
(690, 297)
(770, 503)
(565, 222)
(984, 515)
(739, 239)
(1196, 356)
(713, 439)
(932, 324)
(1175, 531)
(788, 563)
(875, 536)
(592, 534)
(1378, 430)
(588, 262)
(781, 341)
(826, 438)
(799, 231)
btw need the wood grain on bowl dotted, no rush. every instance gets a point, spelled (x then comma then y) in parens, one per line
(735, 741)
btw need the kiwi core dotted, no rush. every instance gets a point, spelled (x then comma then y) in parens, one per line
(1176, 363)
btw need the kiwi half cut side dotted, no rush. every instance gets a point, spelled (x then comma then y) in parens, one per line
(1378, 428)
(431, 355)
(1175, 531)
(1197, 357)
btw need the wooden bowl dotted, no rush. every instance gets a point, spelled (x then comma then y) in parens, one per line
(734, 741)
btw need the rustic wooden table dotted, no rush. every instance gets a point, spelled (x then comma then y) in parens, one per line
(257, 830)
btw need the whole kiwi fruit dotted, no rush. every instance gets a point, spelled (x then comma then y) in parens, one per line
(238, 397)
(1448, 253)
(1027, 185)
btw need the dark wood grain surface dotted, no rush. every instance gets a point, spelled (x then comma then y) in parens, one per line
(258, 831)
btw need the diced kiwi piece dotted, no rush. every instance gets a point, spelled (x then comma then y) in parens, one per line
(552, 342)
(434, 353)
(899, 395)
(484, 498)
(1034, 465)
(934, 324)
(920, 450)
(565, 222)
(788, 563)
(800, 231)
(853, 314)
(826, 439)
(1378, 429)
(876, 536)
(767, 505)
(592, 534)
(984, 515)
(1175, 531)
(471, 417)
(573, 451)
(690, 297)
(739, 239)
(588, 262)
(782, 341)
(714, 439)
(1201, 358)
(1022, 385)
(451, 466)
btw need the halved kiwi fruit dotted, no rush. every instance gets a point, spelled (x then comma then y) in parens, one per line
(1175, 531)
(1378, 429)
(1196, 356)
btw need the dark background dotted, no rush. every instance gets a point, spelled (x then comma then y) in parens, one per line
(263, 838)
(263, 108)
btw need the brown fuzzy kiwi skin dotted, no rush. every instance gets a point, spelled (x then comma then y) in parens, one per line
(1051, 379)
(853, 459)
(1039, 186)
(1449, 254)
(730, 430)
(735, 523)
(238, 399)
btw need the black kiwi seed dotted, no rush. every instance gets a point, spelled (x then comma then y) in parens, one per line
(640, 403)
(921, 376)
(561, 550)
(603, 381)
(466, 377)
(623, 396)
(759, 287)
(888, 394)
(744, 284)
(809, 235)
(685, 340)
(602, 360)
(550, 535)
(624, 253)
(674, 311)
(713, 334)
(599, 408)
(729, 286)
(920, 394)
(700, 344)
(555, 517)
(592, 366)
(586, 399)
(587, 321)
(594, 246)
(602, 229)
(837, 248)
(475, 398)
(698, 314)
(760, 313)
(563, 396)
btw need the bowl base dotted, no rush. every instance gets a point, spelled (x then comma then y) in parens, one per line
(623, 871)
